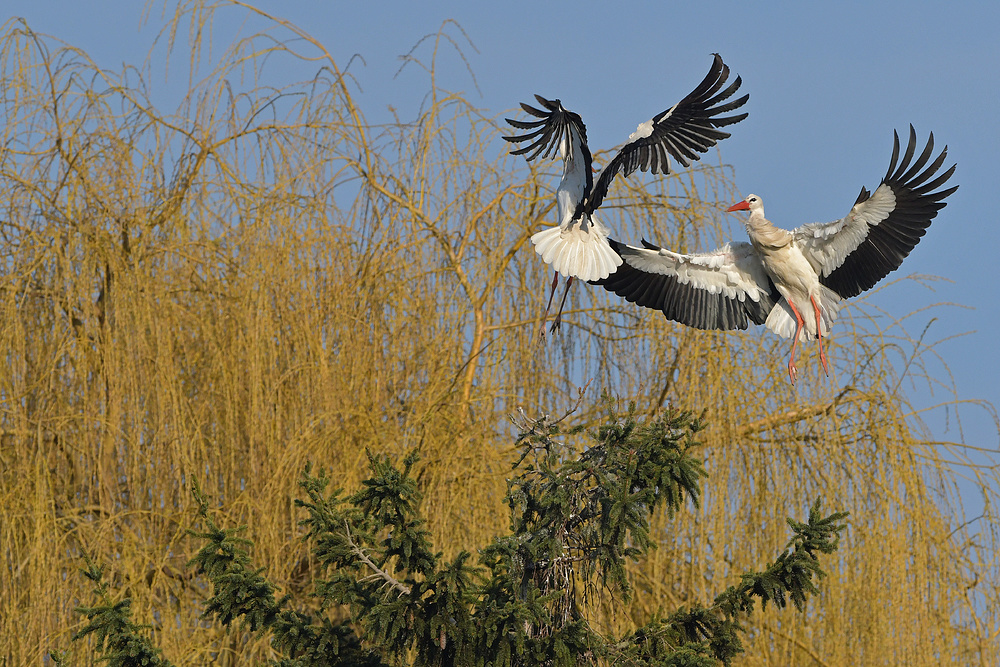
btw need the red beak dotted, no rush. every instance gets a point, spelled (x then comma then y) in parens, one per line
(738, 206)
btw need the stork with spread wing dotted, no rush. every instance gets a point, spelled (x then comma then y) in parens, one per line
(792, 282)
(578, 246)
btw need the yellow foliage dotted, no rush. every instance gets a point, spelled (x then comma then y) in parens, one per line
(260, 278)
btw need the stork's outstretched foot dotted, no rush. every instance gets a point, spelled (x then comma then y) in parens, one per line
(799, 322)
(819, 336)
(545, 313)
(558, 320)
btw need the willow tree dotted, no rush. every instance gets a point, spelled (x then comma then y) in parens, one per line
(260, 278)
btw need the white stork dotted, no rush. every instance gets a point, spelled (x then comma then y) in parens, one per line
(578, 247)
(782, 274)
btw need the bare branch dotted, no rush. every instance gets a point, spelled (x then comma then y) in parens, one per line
(379, 572)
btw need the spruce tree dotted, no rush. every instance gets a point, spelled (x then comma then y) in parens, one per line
(576, 519)
(120, 641)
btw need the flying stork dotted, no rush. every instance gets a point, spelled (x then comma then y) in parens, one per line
(792, 282)
(578, 247)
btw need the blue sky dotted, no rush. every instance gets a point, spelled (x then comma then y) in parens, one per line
(828, 83)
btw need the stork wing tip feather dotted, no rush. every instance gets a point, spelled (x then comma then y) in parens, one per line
(556, 130)
(854, 253)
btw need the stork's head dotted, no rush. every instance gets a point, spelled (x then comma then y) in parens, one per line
(752, 203)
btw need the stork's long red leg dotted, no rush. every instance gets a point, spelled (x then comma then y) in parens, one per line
(799, 322)
(552, 293)
(819, 335)
(556, 322)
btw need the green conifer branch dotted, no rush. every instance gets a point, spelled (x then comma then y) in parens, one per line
(241, 592)
(120, 642)
(710, 635)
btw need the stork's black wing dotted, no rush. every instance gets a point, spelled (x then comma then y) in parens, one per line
(558, 128)
(683, 132)
(853, 253)
(723, 289)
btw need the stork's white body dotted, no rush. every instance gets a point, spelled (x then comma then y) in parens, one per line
(578, 246)
(793, 276)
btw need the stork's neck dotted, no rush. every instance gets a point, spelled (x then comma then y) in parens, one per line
(763, 234)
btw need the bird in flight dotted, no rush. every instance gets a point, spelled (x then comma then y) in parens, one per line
(578, 246)
(792, 282)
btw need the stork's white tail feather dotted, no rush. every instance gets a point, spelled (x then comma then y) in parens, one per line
(781, 320)
(578, 250)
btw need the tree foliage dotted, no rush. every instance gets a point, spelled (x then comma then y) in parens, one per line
(119, 640)
(575, 519)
